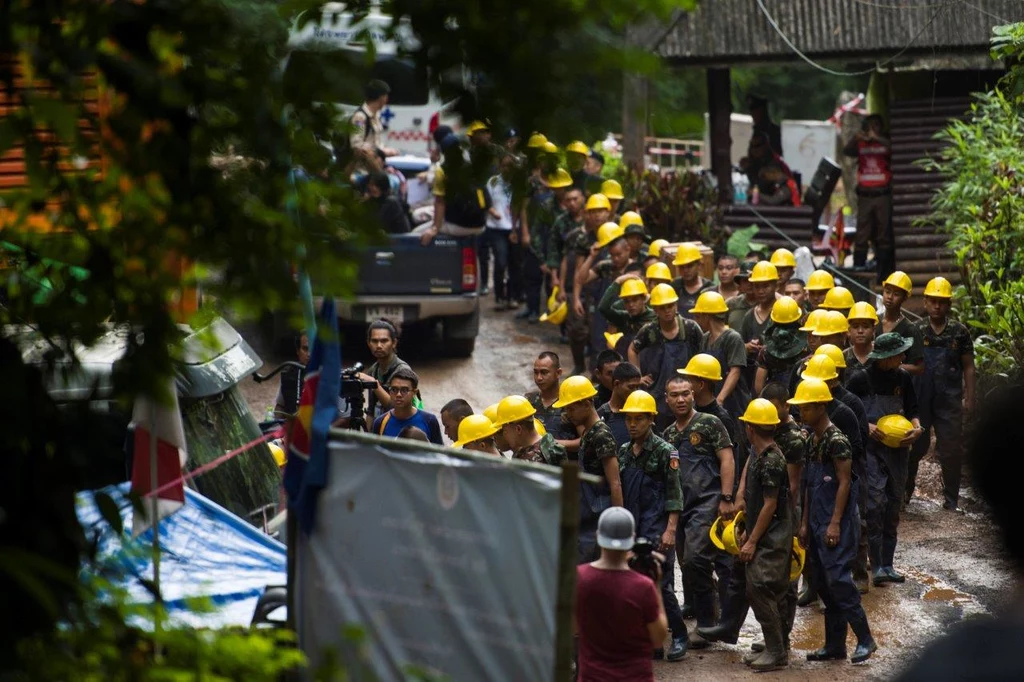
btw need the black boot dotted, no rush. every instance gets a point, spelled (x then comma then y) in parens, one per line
(865, 642)
(835, 639)
(860, 257)
(807, 596)
(677, 651)
(723, 632)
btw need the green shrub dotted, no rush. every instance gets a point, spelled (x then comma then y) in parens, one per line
(981, 206)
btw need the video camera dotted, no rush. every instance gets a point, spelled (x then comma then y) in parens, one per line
(353, 389)
(644, 560)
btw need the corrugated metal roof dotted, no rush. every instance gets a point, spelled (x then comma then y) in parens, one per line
(736, 31)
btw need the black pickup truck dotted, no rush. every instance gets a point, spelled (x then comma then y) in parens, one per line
(418, 285)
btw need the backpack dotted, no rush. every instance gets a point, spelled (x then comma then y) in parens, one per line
(342, 144)
(468, 207)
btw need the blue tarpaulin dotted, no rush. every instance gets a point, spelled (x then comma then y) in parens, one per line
(206, 551)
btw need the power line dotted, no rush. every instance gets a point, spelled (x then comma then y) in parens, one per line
(789, 43)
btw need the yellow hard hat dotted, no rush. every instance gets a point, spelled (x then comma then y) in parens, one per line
(550, 148)
(656, 246)
(811, 391)
(761, 412)
(834, 322)
(612, 189)
(717, 528)
(556, 316)
(632, 287)
(658, 271)
(820, 367)
(574, 389)
(513, 408)
(894, 428)
(834, 352)
(491, 412)
(577, 147)
(786, 311)
(553, 299)
(663, 294)
(608, 233)
(640, 402)
(813, 319)
(862, 310)
(598, 201)
(763, 271)
(686, 253)
(629, 217)
(612, 339)
(710, 302)
(900, 280)
(560, 178)
(783, 258)
(476, 127)
(938, 287)
(838, 298)
(703, 366)
(475, 427)
(536, 141)
(279, 454)
(730, 534)
(797, 557)
(820, 280)
(538, 426)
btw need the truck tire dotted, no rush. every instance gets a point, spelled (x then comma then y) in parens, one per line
(459, 334)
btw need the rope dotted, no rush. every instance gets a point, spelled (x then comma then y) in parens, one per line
(789, 43)
(826, 266)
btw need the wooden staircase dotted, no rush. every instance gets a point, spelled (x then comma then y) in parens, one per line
(920, 249)
(795, 222)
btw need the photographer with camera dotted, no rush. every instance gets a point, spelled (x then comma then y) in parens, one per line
(382, 338)
(649, 472)
(620, 616)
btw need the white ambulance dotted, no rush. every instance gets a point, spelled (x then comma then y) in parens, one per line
(413, 110)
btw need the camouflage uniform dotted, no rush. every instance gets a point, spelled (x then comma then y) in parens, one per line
(940, 393)
(651, 490)
(852, 363)
(688, 300)
(551, 417)
(832, 566)
(698, 445)
(563, 226)
(577, 328)
(661, 357)
(614, 312)
(768, 574)
(544, 451)
(596, 446)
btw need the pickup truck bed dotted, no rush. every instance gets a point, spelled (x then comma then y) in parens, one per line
(409, 283)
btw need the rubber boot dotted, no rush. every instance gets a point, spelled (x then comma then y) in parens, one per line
(835, 639)
(769, 661)
(865, 642)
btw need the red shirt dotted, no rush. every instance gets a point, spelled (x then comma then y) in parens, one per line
(613, 609)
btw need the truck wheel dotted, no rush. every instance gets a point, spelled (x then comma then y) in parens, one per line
(459, 334)
(460, 348)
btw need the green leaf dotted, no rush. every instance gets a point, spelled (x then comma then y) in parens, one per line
(110, 512)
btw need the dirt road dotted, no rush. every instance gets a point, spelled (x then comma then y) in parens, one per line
(954, 565)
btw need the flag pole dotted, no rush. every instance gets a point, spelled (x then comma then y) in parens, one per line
(155, 518)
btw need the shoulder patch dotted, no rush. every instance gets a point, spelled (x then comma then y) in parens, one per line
(673, 463)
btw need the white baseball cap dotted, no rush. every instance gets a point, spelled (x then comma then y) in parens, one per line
(616, 529)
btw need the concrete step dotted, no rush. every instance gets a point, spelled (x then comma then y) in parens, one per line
(905, 169)
(926, 268)
(902, 188)
(936, 109)
(901, 105)
(916, 176)
(900, 124)
(922, 253)
(906, 208)
(919, 147)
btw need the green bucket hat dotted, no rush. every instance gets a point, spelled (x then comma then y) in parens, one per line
(784, 343)
(635, 229)
(890, 345)
(744, 272)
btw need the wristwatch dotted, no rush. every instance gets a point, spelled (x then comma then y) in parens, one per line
(726, 497)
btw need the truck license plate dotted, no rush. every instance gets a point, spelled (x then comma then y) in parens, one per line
(391, 312)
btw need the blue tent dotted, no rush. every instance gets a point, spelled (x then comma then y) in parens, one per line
(206, 551)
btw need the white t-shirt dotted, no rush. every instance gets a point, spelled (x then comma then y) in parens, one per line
(501, 199)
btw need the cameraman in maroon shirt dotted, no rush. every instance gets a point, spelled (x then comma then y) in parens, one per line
(619, 614)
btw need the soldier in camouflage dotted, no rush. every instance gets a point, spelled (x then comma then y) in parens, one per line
(626, 313)
(830, 525)
(651, 491)
(767, 541)
(577, 248)
(530, 446)
(597, 456)
(707, 473)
